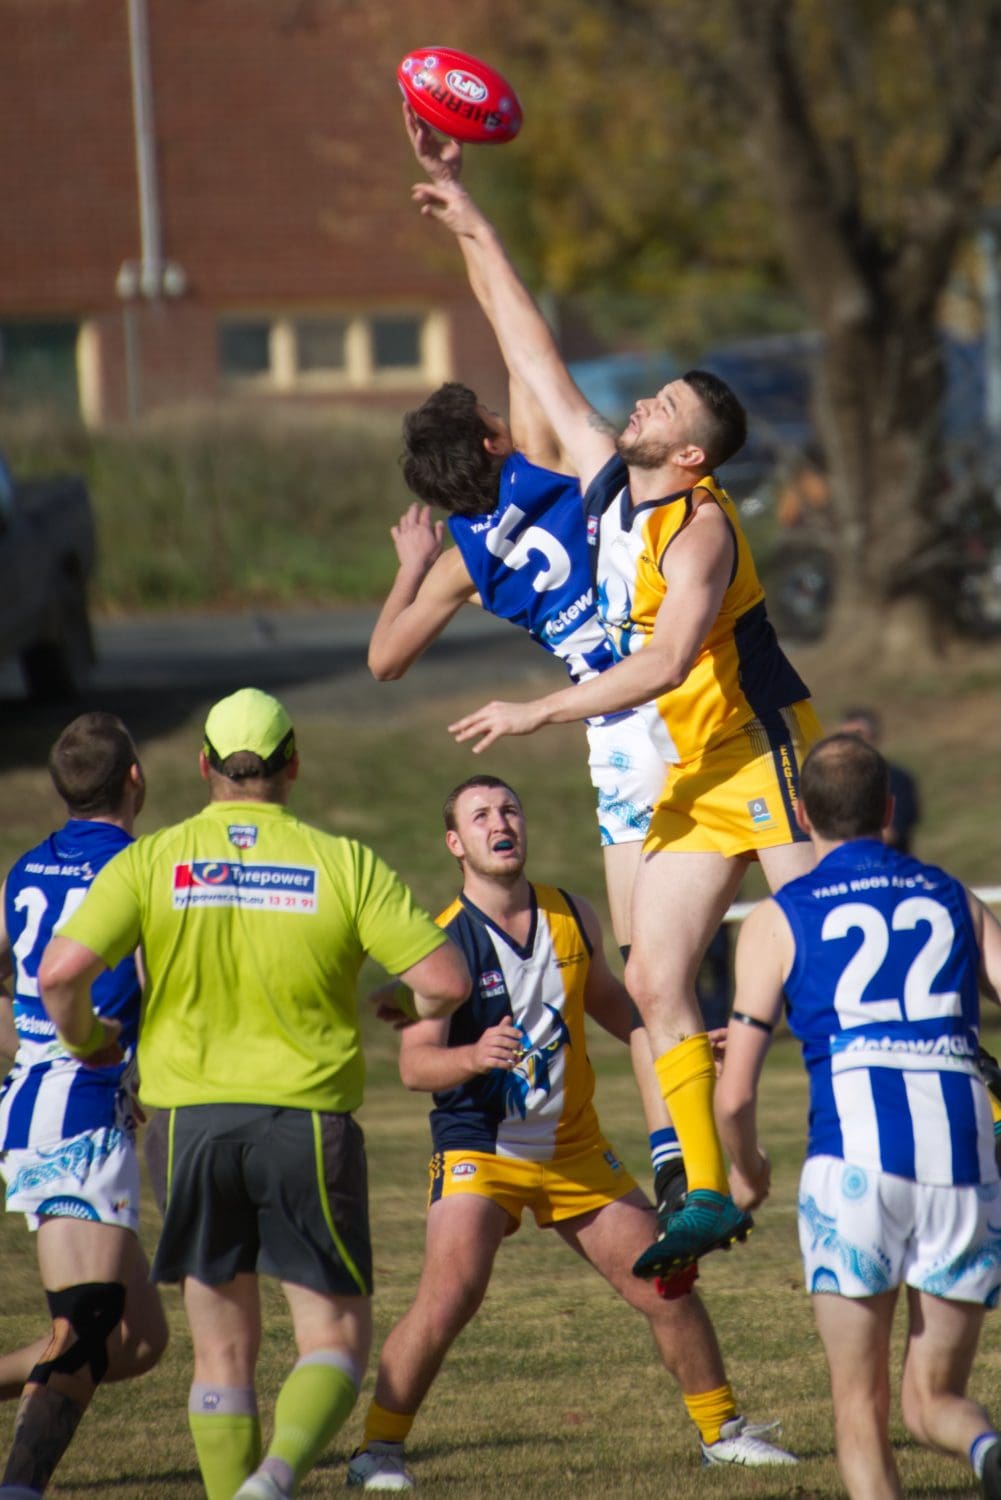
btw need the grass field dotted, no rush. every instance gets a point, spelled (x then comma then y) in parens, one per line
(555, 1389)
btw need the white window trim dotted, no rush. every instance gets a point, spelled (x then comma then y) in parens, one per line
(359, 372)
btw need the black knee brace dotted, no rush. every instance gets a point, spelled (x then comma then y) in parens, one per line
(93, 1310)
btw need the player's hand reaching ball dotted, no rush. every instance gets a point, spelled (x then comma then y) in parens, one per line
(441, 159)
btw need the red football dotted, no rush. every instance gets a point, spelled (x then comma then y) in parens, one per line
(459, 95)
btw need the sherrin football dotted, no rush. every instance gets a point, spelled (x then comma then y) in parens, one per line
(460, 96)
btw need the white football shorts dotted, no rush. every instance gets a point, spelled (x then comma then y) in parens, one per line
(93, 1176)
(863, 1232)
(627, 771)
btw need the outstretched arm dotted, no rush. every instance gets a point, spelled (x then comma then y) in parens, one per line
(524, 336)
(429, 588)
(533, 435)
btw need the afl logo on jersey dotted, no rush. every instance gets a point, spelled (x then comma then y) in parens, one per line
(464, 1169)
(491, 983)
(242, 835)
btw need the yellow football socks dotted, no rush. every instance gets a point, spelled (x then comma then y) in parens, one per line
(709, 1410)
(382, 1426)
(687, 1079)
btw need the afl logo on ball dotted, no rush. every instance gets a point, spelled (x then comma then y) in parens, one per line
(466, 86)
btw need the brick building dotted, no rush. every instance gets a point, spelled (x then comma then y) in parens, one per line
(206, 200)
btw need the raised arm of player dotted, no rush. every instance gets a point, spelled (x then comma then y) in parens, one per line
(531, 429)
(431, 585)
(696, 569)
(764, 957)
(523, 334)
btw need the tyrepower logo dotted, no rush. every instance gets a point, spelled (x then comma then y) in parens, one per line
(213, 882)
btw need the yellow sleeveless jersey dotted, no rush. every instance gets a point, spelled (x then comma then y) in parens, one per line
(740, 671)
(542, 1110)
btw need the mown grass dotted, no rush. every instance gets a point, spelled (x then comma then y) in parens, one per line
(555, 1389)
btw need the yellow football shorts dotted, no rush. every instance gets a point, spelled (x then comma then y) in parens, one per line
(739, 796)
(553, 1190)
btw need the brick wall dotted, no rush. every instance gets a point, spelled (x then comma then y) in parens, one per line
(282, 173)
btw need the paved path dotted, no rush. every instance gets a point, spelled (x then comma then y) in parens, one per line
(158, 671)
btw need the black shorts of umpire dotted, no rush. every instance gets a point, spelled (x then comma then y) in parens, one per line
(93, 1310)
(268, 1190)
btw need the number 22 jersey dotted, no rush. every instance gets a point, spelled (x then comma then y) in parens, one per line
(883, 995)
(49, 1096)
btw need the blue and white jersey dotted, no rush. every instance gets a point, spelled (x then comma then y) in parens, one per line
(530, 563)
(883, 996)
(50, 1096)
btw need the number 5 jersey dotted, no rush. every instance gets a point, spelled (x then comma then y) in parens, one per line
(49, 1096)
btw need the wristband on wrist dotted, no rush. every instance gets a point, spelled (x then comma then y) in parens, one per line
(96, 1038)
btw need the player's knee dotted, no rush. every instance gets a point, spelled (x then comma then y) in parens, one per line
(638, 981)
(93, 1311)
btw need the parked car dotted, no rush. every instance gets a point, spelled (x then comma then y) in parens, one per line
(47, 553)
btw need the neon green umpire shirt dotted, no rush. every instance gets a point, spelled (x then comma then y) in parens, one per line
(253, 928)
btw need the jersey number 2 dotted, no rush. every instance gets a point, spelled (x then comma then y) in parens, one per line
(35, 902)
(919, 1001)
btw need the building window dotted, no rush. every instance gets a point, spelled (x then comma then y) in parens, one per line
(315, 351)
(244, 349)
(396, 343)
(321, 344)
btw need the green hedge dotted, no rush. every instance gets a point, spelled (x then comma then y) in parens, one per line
(232, 511)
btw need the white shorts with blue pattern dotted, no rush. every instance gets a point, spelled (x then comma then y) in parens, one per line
(863, 1232)
(93, 1176)
(627, 771)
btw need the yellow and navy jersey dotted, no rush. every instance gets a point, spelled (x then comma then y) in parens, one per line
(542, 1109)
(740, 672)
